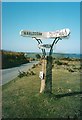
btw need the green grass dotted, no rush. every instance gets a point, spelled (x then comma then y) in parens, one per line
(21, 97)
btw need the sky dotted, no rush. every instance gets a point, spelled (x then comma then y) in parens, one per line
(41, 0)
(40, 16)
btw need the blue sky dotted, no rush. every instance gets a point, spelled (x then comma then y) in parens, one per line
(44, 16)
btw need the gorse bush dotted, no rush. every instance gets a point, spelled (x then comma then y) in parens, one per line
(61, 63)
(13, 59)
(33, 66)
(22, 74)
(58, 62)
(38, 56)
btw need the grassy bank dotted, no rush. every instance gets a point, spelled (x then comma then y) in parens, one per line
(12, 59)
(21, 98)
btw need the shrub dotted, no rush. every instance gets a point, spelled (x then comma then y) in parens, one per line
(61, 63)
(33, 66)
(58, 62)
(52, 65)
(64, 63)
(32, 72)
(70, 70)
(22, 74)
(12, 59)
(38, 56)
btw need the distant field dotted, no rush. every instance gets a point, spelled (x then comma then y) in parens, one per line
(58, 55)
(21, 98)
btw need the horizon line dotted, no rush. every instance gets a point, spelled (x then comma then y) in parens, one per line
(39, 52)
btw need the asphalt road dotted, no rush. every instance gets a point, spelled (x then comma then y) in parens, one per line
(12, 73)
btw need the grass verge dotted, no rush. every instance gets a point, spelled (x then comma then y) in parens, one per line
(21, 98)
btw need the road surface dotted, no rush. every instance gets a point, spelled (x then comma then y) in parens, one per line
(12, 73)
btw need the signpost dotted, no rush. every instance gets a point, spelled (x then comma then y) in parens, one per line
(46, 73)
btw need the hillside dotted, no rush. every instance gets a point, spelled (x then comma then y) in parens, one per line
(12, 59)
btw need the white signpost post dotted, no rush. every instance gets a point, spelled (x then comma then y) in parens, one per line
(46, 73)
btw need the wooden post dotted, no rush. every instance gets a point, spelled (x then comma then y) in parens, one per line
(48, 81)
(42, 88)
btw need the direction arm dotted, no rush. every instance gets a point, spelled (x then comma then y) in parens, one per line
(38, 40)
(54, 42)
